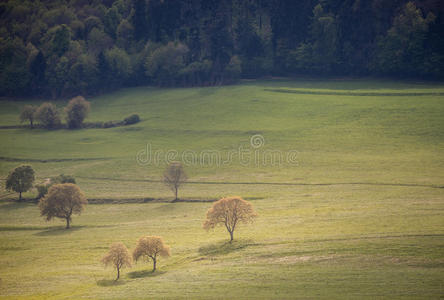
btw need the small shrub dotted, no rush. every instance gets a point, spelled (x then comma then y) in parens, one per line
(133, 119)
(62, 178)
(42, 190)
(109, 124)
(93, 125)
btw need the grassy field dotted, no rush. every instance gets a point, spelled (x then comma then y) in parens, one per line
(357, 213)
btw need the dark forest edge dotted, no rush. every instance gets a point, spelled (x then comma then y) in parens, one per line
(61, 48)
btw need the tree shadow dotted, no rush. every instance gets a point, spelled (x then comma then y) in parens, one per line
(15, 205)
(59, 230)
(145, 273)
(225, 247)
(110, 282)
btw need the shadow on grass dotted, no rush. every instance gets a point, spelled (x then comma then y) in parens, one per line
(59, 230)
(15, 205)
(225, 247)
(145, 273)
(110, 282)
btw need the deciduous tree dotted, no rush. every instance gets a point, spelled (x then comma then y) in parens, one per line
(48, 115)
(229, 212)
(20, 180)
(118, 257)
(28, 114)
(174, 177)
(151, 247)
(76, 111)
(62, 201)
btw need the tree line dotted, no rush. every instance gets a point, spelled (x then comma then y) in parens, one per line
(48, 116)
(64, 48)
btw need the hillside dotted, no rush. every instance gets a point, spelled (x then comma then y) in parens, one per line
(357, 211)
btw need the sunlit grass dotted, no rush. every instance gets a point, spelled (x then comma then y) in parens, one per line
(360, 216)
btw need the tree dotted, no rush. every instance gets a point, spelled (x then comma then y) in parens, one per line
(20, 180)
(402, 50)
(174, 177)
(76, 111)
(118, 256)
(164, 64)
(229, 212)
(61, 39)
(119, 65)
(28, 114)
(150, 247)
(48, 115)
(62, 201)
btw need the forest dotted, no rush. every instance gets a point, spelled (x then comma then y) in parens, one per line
(62, 48)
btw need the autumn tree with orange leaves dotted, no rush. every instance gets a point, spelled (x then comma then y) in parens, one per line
(229, 212)
(151, 247)
(118, 256)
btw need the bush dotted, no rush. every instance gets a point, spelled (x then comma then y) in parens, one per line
(133, 119)
(93, 125)
(62, 178)
(110, 124)
(42, 189)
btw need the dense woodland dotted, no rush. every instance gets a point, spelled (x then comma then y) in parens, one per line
(59, 48)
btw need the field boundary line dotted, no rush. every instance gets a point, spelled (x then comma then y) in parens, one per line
(271, 183)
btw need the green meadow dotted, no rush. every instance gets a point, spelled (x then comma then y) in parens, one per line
(351, 205)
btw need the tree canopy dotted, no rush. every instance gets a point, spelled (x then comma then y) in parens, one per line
(229, 212)
(65, 48)
(151, 247)
(76, 111)
(62, 201)
(20, 180)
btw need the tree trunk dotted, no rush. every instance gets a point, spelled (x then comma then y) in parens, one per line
(176, 195)
(67, 223)
(20, 196)
(231, 236)
(154, 264)
(118, 273)
(32, 126)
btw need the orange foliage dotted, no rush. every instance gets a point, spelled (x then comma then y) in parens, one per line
(149, 247)
(118, 256)
(229, 212)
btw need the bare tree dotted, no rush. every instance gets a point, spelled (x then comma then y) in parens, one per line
(61, 201)
(150, 247)
(174, 177)
(118, 256)
(229, 212)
